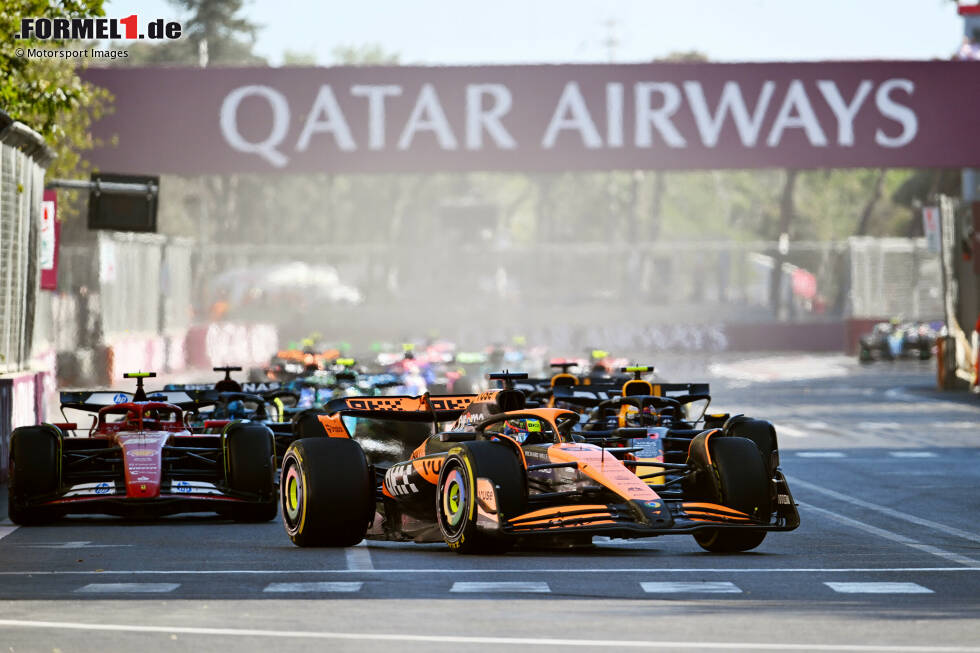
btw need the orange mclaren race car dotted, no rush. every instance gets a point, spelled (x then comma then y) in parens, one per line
(505, 473)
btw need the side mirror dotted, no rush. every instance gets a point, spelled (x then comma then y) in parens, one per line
(457, 436)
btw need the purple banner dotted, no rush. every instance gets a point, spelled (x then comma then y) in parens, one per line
(540, 118)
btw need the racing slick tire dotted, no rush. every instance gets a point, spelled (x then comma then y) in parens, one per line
(456, 494)
(739, 480)
(327, 492)
(250, 452)
(34, 472)
(761, 432)
(864, 354)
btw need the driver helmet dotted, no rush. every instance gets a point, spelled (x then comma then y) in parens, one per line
(236, 409)
(519, 429)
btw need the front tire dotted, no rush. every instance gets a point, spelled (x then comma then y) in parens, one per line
(456, 500)
(34, 473)
(740, 481)
(326, 492)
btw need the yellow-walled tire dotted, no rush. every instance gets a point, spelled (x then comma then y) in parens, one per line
(456, 494)
(326, 492)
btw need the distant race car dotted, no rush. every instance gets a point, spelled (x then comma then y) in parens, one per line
(140, 458)
(505, 473)
(896, 339)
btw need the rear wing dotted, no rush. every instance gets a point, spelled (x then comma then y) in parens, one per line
(93, 400)
(250, 387)
(674, 389)
(440, 408)
(382, 380)
(593, 395)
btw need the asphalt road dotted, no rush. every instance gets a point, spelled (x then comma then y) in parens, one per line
(886, 472)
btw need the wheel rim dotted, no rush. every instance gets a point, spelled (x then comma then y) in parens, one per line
(292, 494)
(454, 501)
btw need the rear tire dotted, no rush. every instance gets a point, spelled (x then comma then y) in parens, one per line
(740, 482)
(251, 468)
(456, 494)
(864, 355)
(34, 473)
(326, 492)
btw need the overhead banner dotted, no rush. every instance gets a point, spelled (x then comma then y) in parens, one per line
(539, 118)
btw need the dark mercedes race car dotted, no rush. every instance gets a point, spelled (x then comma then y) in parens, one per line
(897, 339)
(139, 458)
(506, 474)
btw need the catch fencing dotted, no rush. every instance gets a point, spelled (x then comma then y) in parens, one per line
(141, 283)
(23, 160)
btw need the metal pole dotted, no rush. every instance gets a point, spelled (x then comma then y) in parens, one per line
(105, 186)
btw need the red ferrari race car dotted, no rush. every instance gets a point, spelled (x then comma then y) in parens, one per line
(139, 458)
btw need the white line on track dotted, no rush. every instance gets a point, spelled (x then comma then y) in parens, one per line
(889, 512)
(878, 588)
(314, 587)
(6, 530)
(791, 431)
(127, 588)
(879, 426)
(820, 454)
(503, 586)
(449, 570)
(895, 537)
(72, 545)
(693, 587)
(912, 454)
(359, 557)
(508, 641)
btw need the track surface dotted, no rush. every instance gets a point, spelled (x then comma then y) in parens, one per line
(887, 558)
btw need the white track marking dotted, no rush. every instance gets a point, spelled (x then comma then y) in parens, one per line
(503, 586)
(878, 588)
(879, 426)
(820, 454)
(127, 588)
(72, 545)
(447, 570)
(503, 641)
(7, 530)
(359, 557)
(912, 454)
(895, 537)
(823, 426)
(791, 431)
(314, 587)
(889, 512)
(693, 587)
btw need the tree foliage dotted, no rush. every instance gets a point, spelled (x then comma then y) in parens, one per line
(212, 26)
(47, 94)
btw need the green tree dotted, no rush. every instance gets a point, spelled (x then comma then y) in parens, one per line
(214, 34)
(47, 94)
(370, 54)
